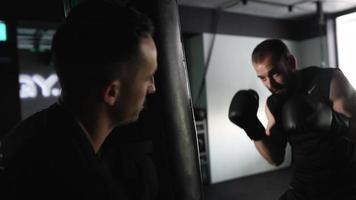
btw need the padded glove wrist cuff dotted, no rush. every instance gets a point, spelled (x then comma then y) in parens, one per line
(255, 130)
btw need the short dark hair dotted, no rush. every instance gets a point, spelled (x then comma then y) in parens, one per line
(270, 47)
(95, 35)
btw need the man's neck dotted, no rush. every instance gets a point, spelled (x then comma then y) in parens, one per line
(95, 131)
(94, 123)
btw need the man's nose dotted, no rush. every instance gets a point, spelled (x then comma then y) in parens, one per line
(273, 83)
(268, 84)
(152, 88)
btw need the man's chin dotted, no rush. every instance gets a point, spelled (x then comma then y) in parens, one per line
(128, 121)
(278, 92)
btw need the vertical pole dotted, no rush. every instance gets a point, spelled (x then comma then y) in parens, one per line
(68, 5)
(173, 89)
(321, 23)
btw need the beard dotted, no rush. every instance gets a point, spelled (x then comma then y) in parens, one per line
(118, 116)
(286, 87)
(121, 115)
(278, 88)
(126, 121)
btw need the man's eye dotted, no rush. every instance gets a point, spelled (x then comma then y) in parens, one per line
(275, 75)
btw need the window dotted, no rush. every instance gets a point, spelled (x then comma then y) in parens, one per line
(346, 42)
(3, 34)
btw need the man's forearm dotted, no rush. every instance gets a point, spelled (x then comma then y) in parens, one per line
(270, 151)
(264, 151)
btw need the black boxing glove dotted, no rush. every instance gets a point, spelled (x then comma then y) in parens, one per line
(302, 113)
(340, 123)
(275, 103)
(243, 113)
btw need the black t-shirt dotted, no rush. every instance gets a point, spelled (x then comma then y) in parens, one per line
(323, 163)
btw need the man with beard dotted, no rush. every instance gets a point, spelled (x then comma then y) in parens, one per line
(313, 109)
(105, 59)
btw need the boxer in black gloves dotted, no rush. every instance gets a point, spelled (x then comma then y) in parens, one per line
(312, 109)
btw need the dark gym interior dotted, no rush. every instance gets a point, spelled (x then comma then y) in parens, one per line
(196, 152)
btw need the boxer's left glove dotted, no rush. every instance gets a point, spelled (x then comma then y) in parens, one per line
(243, 113)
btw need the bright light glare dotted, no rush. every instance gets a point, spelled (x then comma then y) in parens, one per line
(346, 43)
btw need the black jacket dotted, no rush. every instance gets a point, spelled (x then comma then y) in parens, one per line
(48, 156)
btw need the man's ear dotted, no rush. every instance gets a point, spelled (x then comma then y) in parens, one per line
(111, 92)
(292, 62)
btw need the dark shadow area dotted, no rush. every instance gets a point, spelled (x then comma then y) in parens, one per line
(265, 186)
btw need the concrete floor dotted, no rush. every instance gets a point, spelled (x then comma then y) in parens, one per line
(266, 186)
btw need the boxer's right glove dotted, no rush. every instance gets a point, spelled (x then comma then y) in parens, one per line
(301, 113)
(243, 113)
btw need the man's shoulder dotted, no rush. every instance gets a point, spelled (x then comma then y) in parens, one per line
(29, 126)
(320, 77)
(26, 135)
(315, 70)
(319, 74)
